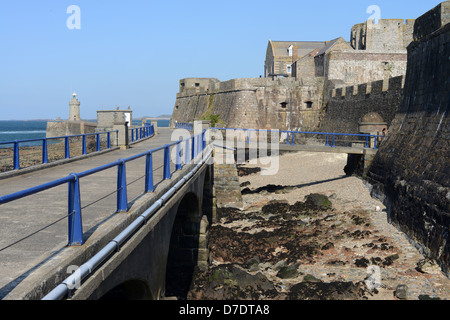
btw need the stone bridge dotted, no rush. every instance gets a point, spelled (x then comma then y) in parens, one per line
(160, 229)
(151, 228)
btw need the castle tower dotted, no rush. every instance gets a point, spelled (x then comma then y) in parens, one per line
(74, 108)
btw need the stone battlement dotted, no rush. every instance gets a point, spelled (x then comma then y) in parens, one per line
(196, 86)
(432, 21)
(364, 89)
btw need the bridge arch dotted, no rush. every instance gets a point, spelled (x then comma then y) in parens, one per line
(188, 245)
(129, 290)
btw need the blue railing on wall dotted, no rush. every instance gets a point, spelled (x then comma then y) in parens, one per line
(45, 143)
(329, 137)
(194, 146)
(135, 134)
(139, 133)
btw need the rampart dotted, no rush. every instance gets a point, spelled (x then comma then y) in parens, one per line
(411, 169)
(348, 105)
(284, 103)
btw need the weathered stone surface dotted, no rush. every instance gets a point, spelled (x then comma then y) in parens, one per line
(288, 272)
(401, 291)
(410, 171)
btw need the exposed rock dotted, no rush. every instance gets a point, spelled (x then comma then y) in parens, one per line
(275, 207)
(228, 281)
(401, 291)
(311, 278)
(245, 183)
(318, 201)
(245, 171)
(328, 291)
(288, 272)
(428, 266)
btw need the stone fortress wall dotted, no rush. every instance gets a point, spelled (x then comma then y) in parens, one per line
(345, 108)
(299, 100)
(411, 170)
(398, 71)
(246, 103)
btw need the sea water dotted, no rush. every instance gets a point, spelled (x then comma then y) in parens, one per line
(11, 130)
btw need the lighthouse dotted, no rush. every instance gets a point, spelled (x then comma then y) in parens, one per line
(74, 108)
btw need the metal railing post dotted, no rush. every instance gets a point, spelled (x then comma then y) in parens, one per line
(75, 227)
(108, 139)
(66, 148)
(166, 162)
(292, 141)
(16, 156)
(326, 143)
(367, 141)
(203, 140)
(44, 151)
(193, 148)
(98, 141)
(83, 143)
(375, 142)
(149, 172)
(122, 201)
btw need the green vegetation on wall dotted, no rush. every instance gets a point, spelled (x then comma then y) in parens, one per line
(209, 115)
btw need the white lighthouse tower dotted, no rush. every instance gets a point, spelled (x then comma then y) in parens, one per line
(74, 108)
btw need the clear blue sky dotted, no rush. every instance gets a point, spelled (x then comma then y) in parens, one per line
(133, 53)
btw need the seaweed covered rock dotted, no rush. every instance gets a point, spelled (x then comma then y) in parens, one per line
(229, 281)
(316, 290)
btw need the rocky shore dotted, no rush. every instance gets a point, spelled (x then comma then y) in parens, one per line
(312, 233)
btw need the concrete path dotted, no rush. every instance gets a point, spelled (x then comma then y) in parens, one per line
(32, 215)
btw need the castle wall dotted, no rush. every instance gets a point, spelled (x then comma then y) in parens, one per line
(411, 168)
(386, 35)
(346, 106)
(255, 103)
(355, 67)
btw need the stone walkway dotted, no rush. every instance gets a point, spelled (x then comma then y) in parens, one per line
(29, 229)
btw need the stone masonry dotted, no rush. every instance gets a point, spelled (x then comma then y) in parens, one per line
(411, 169)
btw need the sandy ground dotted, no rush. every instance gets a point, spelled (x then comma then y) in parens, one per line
(323, 173)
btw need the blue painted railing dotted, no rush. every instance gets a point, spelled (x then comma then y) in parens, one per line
(329, 137)
(194, 146)
(143, 132)
(45, 142)
(184, 125)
